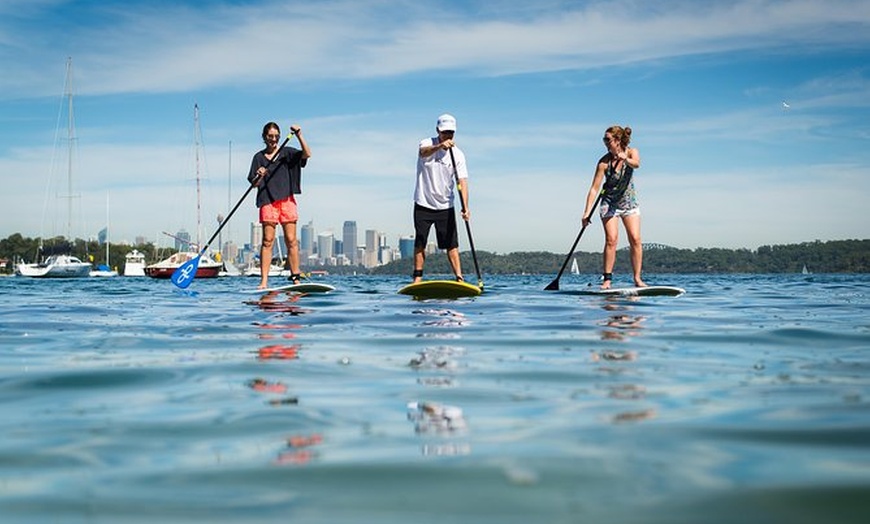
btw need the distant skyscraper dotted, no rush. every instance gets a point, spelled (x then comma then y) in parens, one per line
(406, 246)
(348, 238)
(230, 251)
(373, 242)
(182, 241)
(256, 235)
(306, 241)
(325, 245)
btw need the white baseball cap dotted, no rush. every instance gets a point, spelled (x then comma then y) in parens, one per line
(446, 123)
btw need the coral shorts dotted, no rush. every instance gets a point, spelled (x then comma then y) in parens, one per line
(280, 212)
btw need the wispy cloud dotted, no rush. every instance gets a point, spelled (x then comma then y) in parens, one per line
(167, 48)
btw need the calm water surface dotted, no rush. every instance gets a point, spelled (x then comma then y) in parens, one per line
(126, 400)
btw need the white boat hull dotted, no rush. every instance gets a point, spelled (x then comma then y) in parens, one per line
(56, 266)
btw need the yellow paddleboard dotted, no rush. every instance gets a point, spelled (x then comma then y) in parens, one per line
(441, 289)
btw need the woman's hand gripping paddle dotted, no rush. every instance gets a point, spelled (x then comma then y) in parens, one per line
(467, 224)
(184, 275)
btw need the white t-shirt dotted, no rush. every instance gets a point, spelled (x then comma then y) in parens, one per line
(435, 182)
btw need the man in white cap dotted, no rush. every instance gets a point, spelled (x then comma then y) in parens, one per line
(439, 164)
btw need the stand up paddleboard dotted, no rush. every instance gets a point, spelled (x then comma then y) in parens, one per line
(441, 289)
(647, 291)
(304, 287)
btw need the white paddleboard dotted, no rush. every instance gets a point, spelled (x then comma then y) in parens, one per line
(304, 287)
(647, 291)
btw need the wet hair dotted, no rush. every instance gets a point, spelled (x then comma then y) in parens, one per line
(269, 126)
(621, 134)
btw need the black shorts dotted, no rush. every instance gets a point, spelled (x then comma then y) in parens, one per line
(444, 221)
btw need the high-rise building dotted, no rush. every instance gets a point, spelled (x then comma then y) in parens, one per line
(373, 243)
(182, 241)
(306, 241)
(406, 246)
(230, 251)
(256, 236)
(348, 238)
(325, 245)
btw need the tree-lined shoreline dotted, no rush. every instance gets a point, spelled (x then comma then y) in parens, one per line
(833, 256)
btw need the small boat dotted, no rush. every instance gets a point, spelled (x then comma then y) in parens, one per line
(102, 271)
(208, 267)
(275, 270)
(56, 266)
(134, 264)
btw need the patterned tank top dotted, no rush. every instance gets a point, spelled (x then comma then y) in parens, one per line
(619, 188)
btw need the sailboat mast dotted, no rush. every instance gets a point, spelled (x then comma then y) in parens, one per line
(197, 139)
(70, 133)
(107, 230)
(229, 185)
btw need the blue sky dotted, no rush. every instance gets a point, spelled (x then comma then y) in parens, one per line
(751, 116)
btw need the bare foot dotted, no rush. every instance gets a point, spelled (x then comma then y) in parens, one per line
(417, 280)
(639, 283)
(263, 285)
(605, 284)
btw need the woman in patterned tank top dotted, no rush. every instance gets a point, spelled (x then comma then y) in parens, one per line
(613, 177)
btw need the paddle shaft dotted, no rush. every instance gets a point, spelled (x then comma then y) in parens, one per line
(467, 224)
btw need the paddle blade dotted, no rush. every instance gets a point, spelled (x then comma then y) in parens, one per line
(183, 276)
(552, 286)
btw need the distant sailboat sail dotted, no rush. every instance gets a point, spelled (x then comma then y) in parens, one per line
(574, 269)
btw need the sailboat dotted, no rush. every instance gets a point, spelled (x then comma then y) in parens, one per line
(574, 269)
(104, 270)
(58, 262)
(208, 267)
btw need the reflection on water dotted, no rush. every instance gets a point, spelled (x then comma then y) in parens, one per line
(300, 450)
(620, 324)
(439, 424)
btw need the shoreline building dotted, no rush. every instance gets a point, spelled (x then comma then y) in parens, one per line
(348, 241)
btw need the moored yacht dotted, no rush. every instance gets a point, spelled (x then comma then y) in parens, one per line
(208, 267)
(134, 264)
(56, 266)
